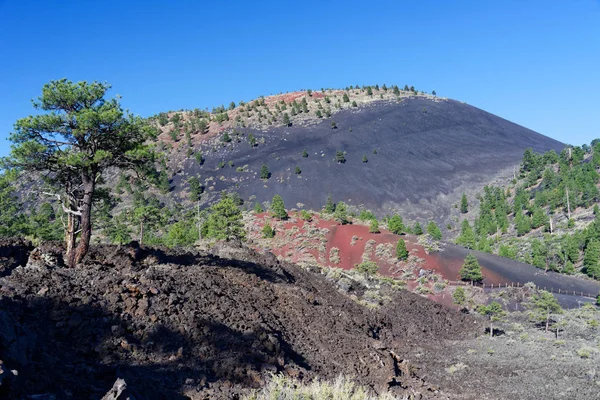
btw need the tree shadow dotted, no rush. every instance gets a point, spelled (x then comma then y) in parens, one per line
(78, 351)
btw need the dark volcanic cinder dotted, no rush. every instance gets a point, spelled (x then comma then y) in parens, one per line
(428, 153)
(203, 325)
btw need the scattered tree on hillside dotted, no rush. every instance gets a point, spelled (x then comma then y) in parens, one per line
(224, 220)
(13, 222)
(258, 208)
(304, 153)
(267, 231)
(467, 236)
(396, 225)
(464, 205)
(365, 159)
(354, 103)
(333, 125)
(494, 312)
(433, 93)
(458, 296)
(196, 188)
(297, 171)
(232, 105)
(346, 98)
(329, 205)
(225, 138)
(340, 157)
(434, 231)
(374, 227)
(369, 91)
(544, 304)
(471, 270)
(591, 258)
(80, 136)
(278, 208)
(401, 251)
(341, 213)
(252, 140)
(417, 230)
(264, 172)
(147, 213)
(286, 119)
(199, 158)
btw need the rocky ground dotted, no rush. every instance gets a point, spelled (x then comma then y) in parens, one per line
(200, 325)
(215, 324)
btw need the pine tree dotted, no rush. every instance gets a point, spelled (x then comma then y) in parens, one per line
(304, 153)
(341, 213)
(458, 296)
(591, 258)
(268, 231)
(417, 230)
(346, 98)
(258, 208)
(252, 140)
(464, 205)
(196, 188)
(401, 251)
(264, 172)
(395, 224)
(434, 231)
(494, 312)
(365, 159)
(545, 304)
(286, 119)
(75, 137)
(224, 221)
(340, 157)
(297, 171)
(471, 270)
(329, 205)
(374, 227)
(467, 236)
(225, 138)
(278, 208)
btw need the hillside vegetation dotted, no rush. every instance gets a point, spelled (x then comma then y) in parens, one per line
(548, 217)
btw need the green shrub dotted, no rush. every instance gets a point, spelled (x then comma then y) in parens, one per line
(368, 267)
(268, 231)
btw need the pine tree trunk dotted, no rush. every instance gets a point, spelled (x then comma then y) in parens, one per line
(491, 329)
(86, 219)
(547, 321)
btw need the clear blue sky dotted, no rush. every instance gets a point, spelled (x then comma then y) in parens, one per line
(534, 62)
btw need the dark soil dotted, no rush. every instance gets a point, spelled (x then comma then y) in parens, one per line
(428, 154)
(201, 325)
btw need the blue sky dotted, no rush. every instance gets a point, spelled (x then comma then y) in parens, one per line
(533, 62)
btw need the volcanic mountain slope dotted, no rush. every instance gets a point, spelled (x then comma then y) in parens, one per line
(421, 154)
